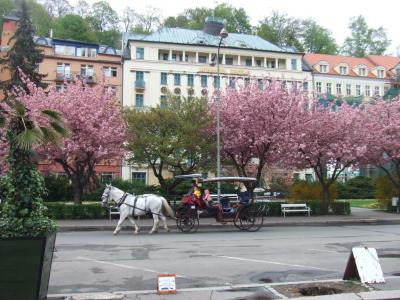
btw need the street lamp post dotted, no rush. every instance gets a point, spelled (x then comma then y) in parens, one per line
(223, 34)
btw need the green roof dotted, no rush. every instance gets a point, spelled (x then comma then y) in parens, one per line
(200, 38)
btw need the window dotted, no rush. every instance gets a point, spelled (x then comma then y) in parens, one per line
(246, 81)
(381, 73)
(190, 80)
(64, 50)
(229, 61)
(385, 89)
(86, 52)
(202, 59)
(377, 91)
(113, 90)
(343, 70)
(367, 91)
(139, 76)
(260, 84)
(63, 70)
(258, 62)
(248, 62)
(309, 178)
(139, 53)
(110, 71)
(319, 87)
(87, 70)
(60, 87)
(348, 89)
(338, 88)
(139, 100)
(361, 71)
(294, 64)
(305, 86)
(163, 101)
(164, 78)
(107, 177)
(139, 177)
(203, 80)
(165, 56)
(358, 90)
(217, 82)
(232, 82)
(271, 63)
(177, 79)
(173, 56)
(323, 68)
(329, 88)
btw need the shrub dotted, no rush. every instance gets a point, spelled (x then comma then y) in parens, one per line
(341, 208)
(58, 188)
(72, 211)
(303, 190)
(356, 188)
(384, 191)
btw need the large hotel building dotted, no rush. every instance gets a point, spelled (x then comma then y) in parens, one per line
(179, 61)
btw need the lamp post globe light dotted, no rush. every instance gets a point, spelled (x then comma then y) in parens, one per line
(223, 34)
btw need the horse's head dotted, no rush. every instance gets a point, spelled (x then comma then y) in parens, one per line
(105, 198)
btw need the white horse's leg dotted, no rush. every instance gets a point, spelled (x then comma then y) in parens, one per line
(122, 216)
(132, 219)
(164, 220)
(155, 224)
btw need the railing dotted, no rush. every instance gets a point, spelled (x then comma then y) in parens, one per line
(139, 84)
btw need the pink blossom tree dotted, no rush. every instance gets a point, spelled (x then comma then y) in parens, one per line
(326, 137)
(96, 129)
(254, 125)
(382, 137)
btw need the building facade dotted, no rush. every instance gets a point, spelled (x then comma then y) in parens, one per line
(68, 60)
(182, 62)
(353, 77)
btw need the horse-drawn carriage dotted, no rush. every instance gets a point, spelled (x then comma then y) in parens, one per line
(245, 214)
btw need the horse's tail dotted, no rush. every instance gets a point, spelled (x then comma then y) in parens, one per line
(167, 208)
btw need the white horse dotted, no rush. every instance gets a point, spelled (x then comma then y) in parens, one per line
(137, 205)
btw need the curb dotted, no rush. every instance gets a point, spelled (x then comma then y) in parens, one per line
(69, 228)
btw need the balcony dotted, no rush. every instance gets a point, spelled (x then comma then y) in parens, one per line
(89, 79)
(139, 85)
(63, 76)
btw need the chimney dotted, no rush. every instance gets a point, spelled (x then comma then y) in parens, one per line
(213, 25)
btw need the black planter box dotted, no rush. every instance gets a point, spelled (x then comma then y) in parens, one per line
(25, 265)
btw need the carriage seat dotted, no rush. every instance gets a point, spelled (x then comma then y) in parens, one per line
(245, 198)
(225, 204)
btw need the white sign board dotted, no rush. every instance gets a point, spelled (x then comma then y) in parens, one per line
(166, 284)
(364, 263)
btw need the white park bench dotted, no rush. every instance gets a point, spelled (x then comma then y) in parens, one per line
(232, 197)
(113, 210)
(298, 207)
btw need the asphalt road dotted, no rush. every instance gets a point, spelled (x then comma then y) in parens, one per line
(98, 261)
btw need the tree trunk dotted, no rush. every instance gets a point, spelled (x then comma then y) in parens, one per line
(77, 188)
(325, 199)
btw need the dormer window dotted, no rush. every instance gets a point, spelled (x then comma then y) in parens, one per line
(362, 71)
(343, 70)
(381, 73)
(323, 68)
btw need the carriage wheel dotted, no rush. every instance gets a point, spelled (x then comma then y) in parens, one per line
(251, 218)
(187, 221)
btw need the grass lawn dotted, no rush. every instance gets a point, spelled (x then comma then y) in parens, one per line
(363, 203)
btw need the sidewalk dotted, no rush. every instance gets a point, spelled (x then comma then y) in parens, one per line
(359, 216)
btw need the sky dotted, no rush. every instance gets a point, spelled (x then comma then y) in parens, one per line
(333, 15)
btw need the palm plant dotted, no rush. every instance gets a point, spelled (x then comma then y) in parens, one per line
(23, 213)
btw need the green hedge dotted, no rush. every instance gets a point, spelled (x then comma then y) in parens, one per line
(341, 208)
(72, 211)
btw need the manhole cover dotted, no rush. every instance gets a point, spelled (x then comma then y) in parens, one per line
(319, 290)
(266, 280)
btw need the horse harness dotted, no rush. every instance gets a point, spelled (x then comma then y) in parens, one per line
(122, 201)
